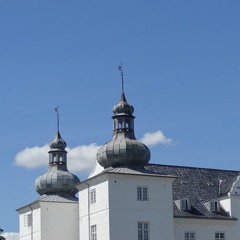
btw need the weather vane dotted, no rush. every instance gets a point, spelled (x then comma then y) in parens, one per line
(120, 68)
(57, 111)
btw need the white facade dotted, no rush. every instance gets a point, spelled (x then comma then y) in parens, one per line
(49, 221)
(109, 205)
(205, 229)
(117, 211)
(137, 201)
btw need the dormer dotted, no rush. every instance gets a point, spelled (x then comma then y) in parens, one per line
(212, 206)
(183, 204)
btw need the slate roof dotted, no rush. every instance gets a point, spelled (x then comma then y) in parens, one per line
(50, 198)
(199, 185)
(58, 198)
(133, 170)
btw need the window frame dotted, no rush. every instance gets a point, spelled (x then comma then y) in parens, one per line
(143, 230)
(94, 232)
(219, 237)
(214, 206)
(190, 235)
(184, 204)
(93, 197)
(27, 220)
(142, 193)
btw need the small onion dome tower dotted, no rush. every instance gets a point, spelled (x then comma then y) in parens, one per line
(57, 180)
(123, 150)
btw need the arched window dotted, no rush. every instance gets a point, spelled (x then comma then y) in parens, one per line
(120, 123)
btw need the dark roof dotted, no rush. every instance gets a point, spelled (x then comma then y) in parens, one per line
(199, 185)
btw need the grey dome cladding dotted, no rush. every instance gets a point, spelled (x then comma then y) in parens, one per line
(56, 181)
(123, 151)
(123, 107)
(58, 142)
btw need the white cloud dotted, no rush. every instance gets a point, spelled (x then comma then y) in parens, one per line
(80, 159)
(154, 138)
(33, 157)
(11, 236)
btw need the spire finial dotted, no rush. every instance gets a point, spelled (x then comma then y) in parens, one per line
(57, 111)
(120, 67)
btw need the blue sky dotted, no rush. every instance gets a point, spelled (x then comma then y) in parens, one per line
(181, 71)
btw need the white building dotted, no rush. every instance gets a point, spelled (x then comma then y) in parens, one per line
(55, 214)
(130, 198)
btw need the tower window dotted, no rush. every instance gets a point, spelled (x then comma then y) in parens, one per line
(94, 232)
(142, 193)
(143, 231)
(120, 123)
(28, 220)
(190, 236)
(219, 236)
(115, 124)
(93, 196)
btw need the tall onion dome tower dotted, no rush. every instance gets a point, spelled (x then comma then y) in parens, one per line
(123, 150)
(57, 180)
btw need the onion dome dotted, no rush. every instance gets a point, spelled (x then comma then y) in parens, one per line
(58, 142)
(123, 150)
(57, 180)
(123, 107)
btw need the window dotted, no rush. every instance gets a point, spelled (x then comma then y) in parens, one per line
(142, 193)
(190, 236)
(28, 220)
(214, 206)
(93, 196)
(143, 231)
(184, 204)
(120, 123)
(219, 236)
(94, 232)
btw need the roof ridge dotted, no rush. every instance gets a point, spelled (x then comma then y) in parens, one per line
(192, 167)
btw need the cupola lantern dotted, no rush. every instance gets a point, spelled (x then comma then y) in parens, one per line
(123, 150)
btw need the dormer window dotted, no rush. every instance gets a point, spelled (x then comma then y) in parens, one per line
(212, 206)
(183, 204)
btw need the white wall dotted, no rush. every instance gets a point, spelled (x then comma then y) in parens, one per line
(96, 213)
(232, 205)
(117, 211)
(33, 231)
(50, 221)
(126, 211)
(204, 228)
